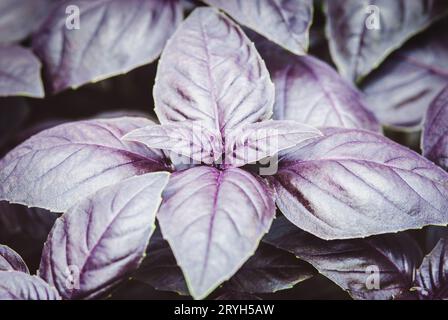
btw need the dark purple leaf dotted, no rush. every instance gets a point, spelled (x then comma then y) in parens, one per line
(103, 238)
(11, 261)
(19, 73)
(213, 221)
(18, 220)
(211, 73)
(351, 263)
(355, 183)
(59, 166)
(21, 17)
(114, 37)
(269, 270)
(432, 276)
(255, 141)
(16, 285)
(187, 139)
(13, 113)
(433, 235)
(435, 131)
(286, 23)
(401, 90)
(159, 268)
(358, 44)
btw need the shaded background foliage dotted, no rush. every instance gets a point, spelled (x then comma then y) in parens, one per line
(25, 229)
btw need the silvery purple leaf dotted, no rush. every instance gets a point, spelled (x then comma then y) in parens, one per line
(213, 221)
(286, 23)
(401, 90)
(16, 285)
(435, 131)
(379, 268)
(186, 138)
(350, 184)
(19, 73)
(59, 166)
(362, 34)
(211, 73)
(112, 37)
(103, 238)
(21, 17)
(432, 276)
(253, 142)
(269, 270)
(11, 261)
(310, 91)
(159, 268)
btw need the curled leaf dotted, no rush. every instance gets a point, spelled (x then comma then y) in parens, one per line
(11, 261)
(186, 139)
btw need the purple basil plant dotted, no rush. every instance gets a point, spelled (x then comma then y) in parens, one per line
(265, 165)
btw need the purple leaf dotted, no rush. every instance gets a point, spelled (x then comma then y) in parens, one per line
(211, 73)
(16, 285)
(351, 263)
(187, 139)
(11, 261)
(256, 141)
(103, 238)
(213, 221)
(310, 91)
(435, 132)
(21, 17)
(286, 23)
(159, 268)
(269, 270)
(401, 90)
(350, 184)
(361, 36)
(113, 37)
(60, 166)
(432, 276)
(19, 73)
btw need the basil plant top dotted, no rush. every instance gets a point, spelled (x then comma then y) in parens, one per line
(214, 99)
